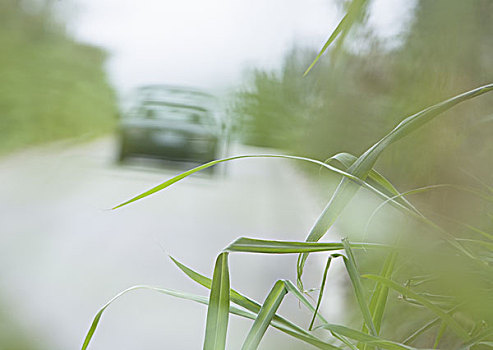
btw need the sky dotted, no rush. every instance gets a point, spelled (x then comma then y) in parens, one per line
(210, 44)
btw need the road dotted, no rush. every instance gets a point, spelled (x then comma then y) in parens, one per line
(64, 254)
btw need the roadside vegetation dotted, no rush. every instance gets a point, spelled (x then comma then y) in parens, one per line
(352, 94)
(422, 111)
(51, 86)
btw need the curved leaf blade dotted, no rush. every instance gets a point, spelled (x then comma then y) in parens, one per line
(171, 292)
(346, 190)
(278, 321)
(375, 179)
(262, 246)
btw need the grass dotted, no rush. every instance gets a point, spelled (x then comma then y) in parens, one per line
(223, 300)
(458, 300)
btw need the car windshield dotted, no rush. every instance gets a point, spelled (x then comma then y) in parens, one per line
(176, 95)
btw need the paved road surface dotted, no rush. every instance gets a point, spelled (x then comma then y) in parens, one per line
(64, 254)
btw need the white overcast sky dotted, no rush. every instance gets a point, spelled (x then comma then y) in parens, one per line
(209, 43)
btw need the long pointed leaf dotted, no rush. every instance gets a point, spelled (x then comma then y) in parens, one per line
(171, 292)
(291, 288)
(278, 321)
(218, 310)
(441, 331)
(377, 307)
(330, 40)
(321, 292)
(378, 300)
(421, 330)
(375, 179)
(251, 245)
(267, 312)
(185, 174)
(355, 9)
(359, 292)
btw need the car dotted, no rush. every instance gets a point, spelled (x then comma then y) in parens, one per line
(173, 123)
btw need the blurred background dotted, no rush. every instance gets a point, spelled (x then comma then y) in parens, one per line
(74, 116)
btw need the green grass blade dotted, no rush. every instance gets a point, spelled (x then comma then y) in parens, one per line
(361, 168)
(446, 318)
(439, 336)
(378, 299)
(187, 173)
(321, 292)
(291, 288)
(254, 307)
(481, 232)
(344, 341)
(267, 312)
(365, 338)
(218, 310)
(421, 330)
(377, 307)
(359, 292)
(375, 179)
(235, 297)
(282, 326)
(309, 339)
(278, 323)
(251, 245)
(341, 26)
(171, 292)
(427, 326)
(354, 11)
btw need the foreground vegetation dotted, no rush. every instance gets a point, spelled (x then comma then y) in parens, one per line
(428, 284)
(458, 312)
(52, 87)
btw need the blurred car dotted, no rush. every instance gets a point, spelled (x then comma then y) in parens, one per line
(174, 123)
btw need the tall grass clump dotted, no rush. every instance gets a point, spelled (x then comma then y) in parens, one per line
(428, 285)
(52, 86)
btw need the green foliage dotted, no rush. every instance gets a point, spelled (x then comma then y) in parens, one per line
(469, 260)
(344, 104)
(437, 271)
(52, 87)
